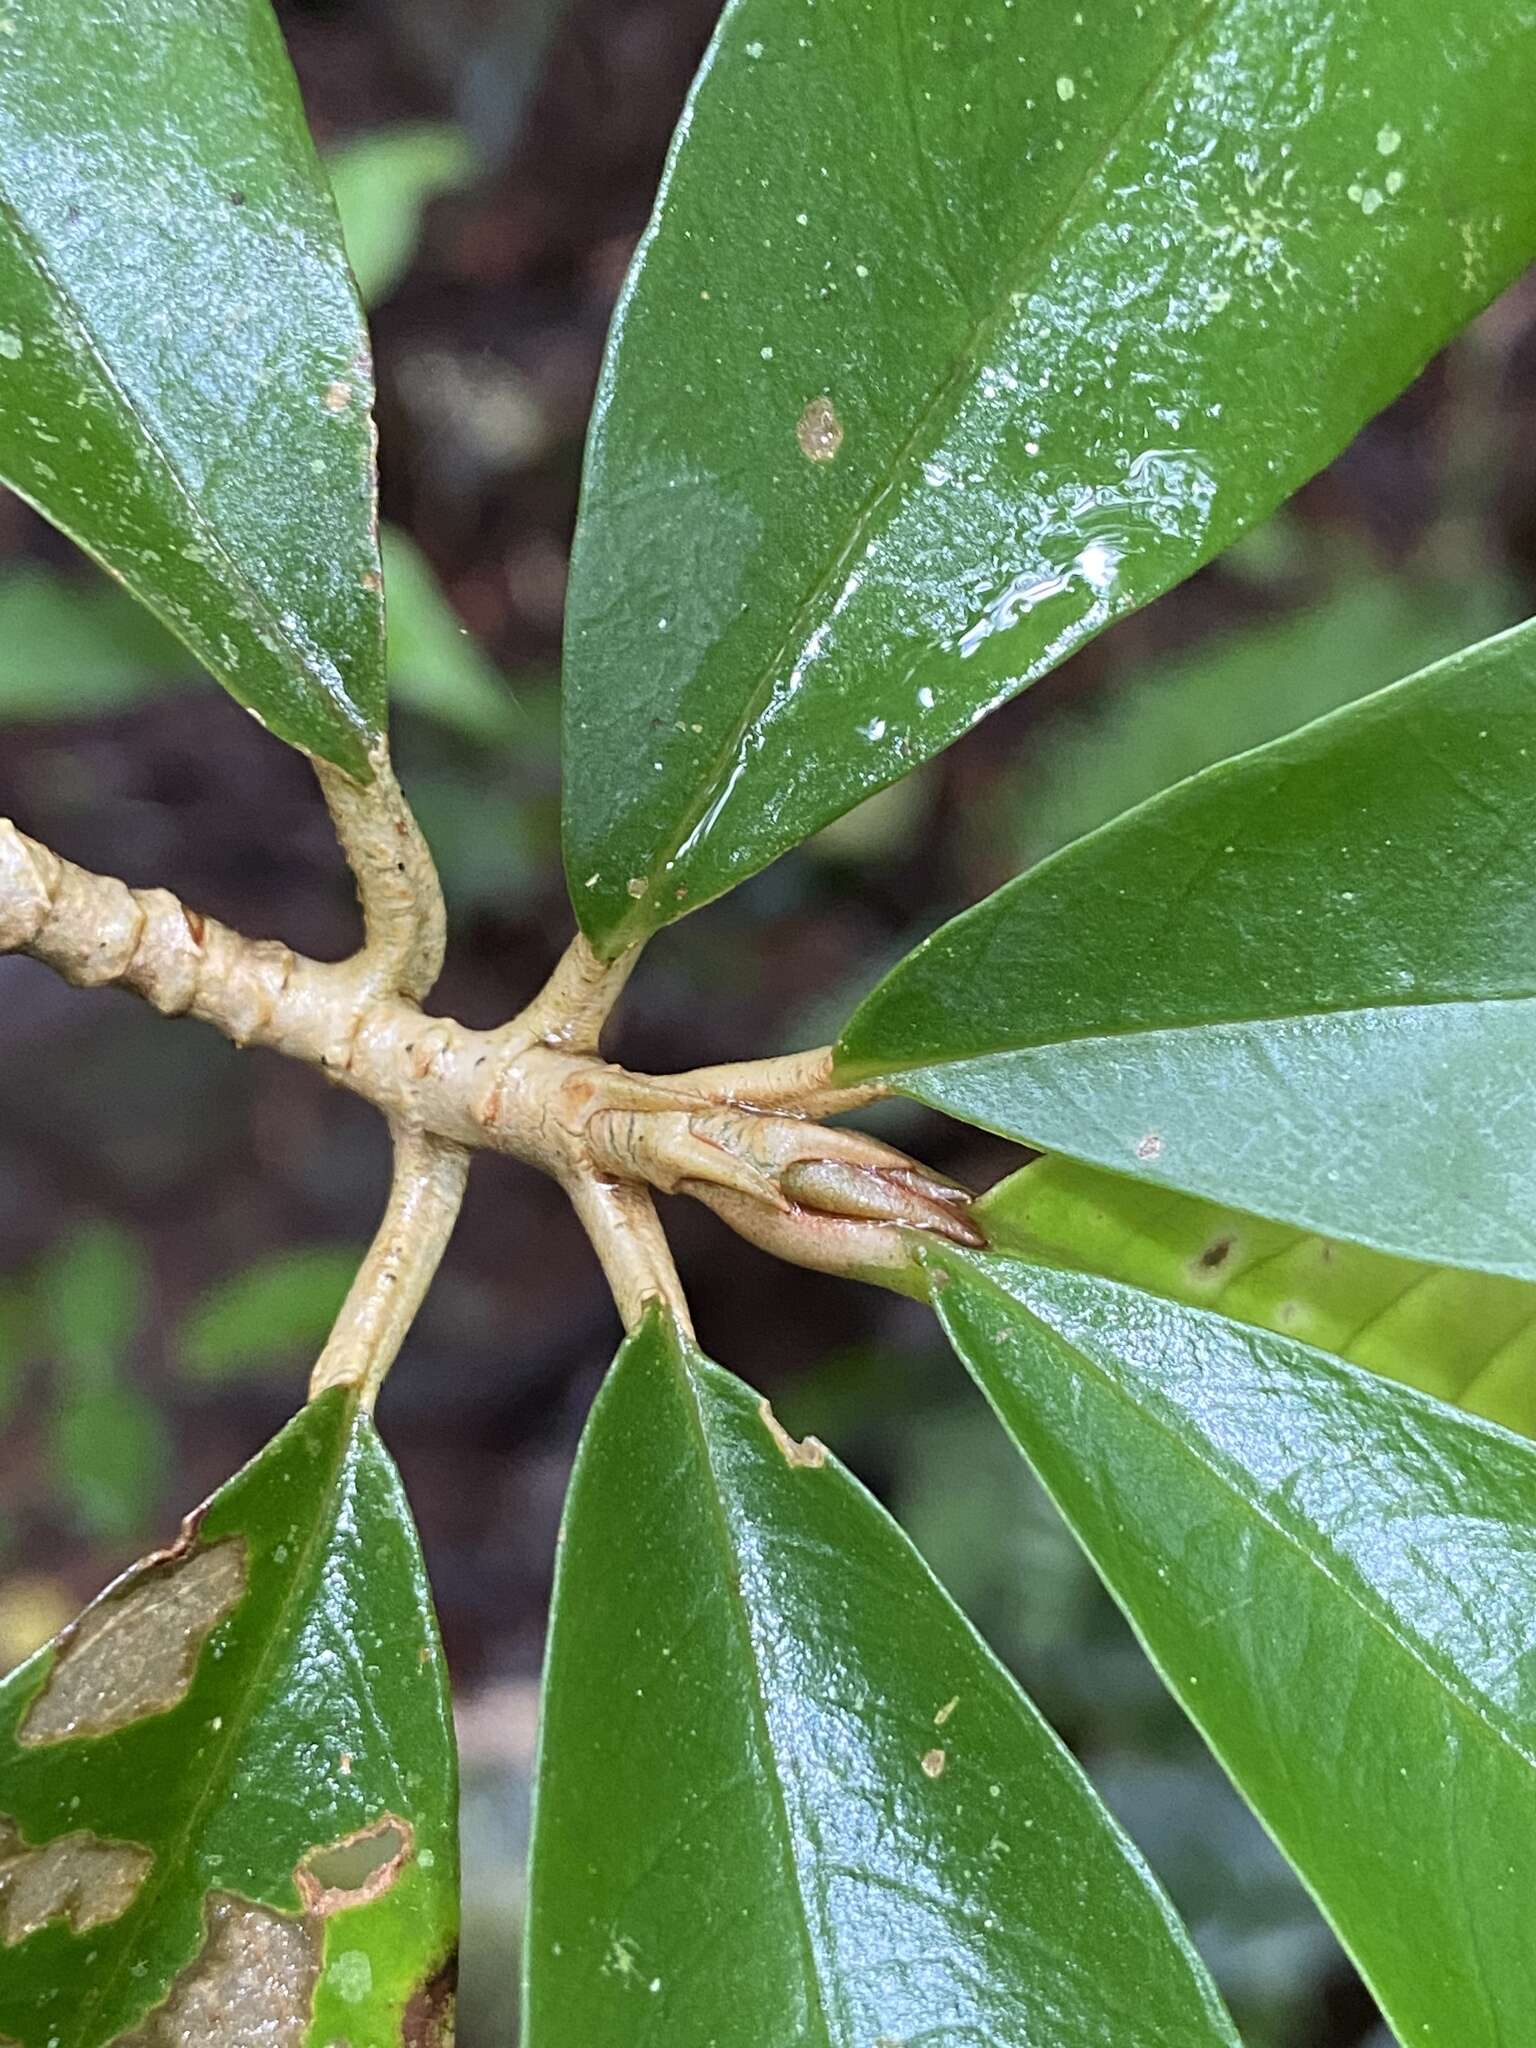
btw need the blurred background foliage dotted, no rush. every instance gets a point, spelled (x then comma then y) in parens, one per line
(178, 1222)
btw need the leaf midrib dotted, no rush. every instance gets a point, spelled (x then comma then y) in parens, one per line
(867, 1066)
(683, 1362)
(1405, 1644)
(968, 356)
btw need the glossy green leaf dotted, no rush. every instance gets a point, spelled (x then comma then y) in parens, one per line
(1469, 1338)
(185, 381)
(1300, 982)
(227, 1794)
(957, 334)
(785, 1793)
(1334, 1576)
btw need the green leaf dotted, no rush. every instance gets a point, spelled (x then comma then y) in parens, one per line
(383, 184)
(1334, 1577)
(436, 668)
(72, 649)
(1469, 1338)
(227, 1793)
(955, 336)
(1300, 982)
(816, 1809)
(1169, 719)
(91, 1291)
(258, 1320)
(185, 382)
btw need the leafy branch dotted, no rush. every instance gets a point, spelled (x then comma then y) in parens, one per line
(745, 1140)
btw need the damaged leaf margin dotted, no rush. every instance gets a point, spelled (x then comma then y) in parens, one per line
(289, 1779)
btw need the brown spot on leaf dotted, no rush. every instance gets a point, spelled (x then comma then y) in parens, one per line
(79, 1878)
(197, 924)
(135, 1650)
(338, 396)
(253, 1981)
(810, 1455)
(359, 1868)
(428, 2021)
(1149, 1147)
(371, 580)
(1217, 1254)
(820, 431)
(933, 1763)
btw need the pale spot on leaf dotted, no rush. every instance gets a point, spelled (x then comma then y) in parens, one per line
(78, 1878)
(253, 1981)
(933, 1763)
(820, 431)
(135, 1651)
(356, 1870)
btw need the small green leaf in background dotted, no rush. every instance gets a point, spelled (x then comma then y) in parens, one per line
(1469, 1338)
(185, 381)
(73, 647)
(1249, 685)
(259, 1320)
(229, 1789)
(383, 184)
(785, 1793)
(958, 334)
(77, 646)
(1334, 1576)
(1300, 982)
(109, 1448)
(436, 668)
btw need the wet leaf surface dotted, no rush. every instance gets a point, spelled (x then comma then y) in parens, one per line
(785, 1792)
(1334, 1577)
(1300, 982)
(957, 335)
(227, 1793)
(185, 382)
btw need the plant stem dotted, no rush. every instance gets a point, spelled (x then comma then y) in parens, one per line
(745, 1138)
(425, 1197)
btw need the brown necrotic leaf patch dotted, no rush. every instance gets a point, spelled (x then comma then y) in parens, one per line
(429, 2018)
(135, 1651)
(253, 1982)
(820, 431)
(78, 1878)
(356, 1870)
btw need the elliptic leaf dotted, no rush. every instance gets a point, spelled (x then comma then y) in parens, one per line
(785, 1793)
(185, 382)
(1334, 1577)
(956, 334)
(1469, 1338)
(1300, 982)
(227, 1792)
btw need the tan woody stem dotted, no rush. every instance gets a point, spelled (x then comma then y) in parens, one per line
(744, 1139)
(424, 1202)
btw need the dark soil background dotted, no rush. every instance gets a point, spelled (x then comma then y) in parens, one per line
(200, 1163)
